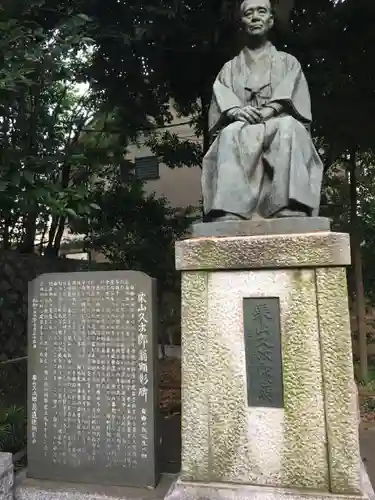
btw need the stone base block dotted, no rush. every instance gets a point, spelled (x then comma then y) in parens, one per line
(182, 490)
(290, 225)
(6, 476)
(32, 489)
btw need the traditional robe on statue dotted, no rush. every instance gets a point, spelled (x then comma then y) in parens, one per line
(263, 168)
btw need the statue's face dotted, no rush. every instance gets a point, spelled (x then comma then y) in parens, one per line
(256, 17)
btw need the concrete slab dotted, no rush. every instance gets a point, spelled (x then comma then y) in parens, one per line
(32, 489)
(182, 490)
(367, 443)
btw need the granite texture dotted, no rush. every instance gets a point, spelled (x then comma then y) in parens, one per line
(6, 476)
(239, 444)
(292, 225)
(181, 490)
(338, 381)
(305, 458)
(195, 432)
(323, 249)
(260, 445)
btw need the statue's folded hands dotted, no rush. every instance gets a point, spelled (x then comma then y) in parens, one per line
(247, 114)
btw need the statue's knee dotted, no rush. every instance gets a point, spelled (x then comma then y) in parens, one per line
(231, 129)
(287, 122)
(288, 126)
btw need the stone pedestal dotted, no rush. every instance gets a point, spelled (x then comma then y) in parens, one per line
(307, 445)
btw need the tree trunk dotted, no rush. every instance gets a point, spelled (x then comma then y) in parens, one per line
(28, 241)
(55, 237)
(59, 235)
(49, 251)
(42, 238)
(6, 234)
(360, 302)
(58, 223)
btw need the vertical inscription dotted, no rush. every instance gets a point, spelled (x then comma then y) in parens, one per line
(143, 371)
(263, 352)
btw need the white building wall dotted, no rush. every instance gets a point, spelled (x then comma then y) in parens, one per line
(181, 186)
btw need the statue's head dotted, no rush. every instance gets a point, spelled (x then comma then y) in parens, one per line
(256, 17)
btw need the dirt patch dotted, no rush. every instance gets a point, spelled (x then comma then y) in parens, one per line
(170, 386)
(367, 406)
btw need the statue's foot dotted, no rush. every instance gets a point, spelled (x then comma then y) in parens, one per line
(290, 213)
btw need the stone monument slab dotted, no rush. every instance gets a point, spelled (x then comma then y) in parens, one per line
(92, 378)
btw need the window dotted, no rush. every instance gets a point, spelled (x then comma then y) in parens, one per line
(147, 168)
(77, 256)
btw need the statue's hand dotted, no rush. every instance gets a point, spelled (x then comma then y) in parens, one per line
(251, 114)
(248, 114)
(266, 113)
(235, 114)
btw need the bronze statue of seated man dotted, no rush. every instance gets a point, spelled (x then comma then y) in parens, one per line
(263, 162)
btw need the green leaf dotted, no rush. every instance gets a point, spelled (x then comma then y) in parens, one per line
(28, 176)
(15, 179)
(88, 40)
(84, 17)
(72, 213)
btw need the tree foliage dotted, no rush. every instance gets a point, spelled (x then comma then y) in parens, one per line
(41, 119)
(134, 230)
